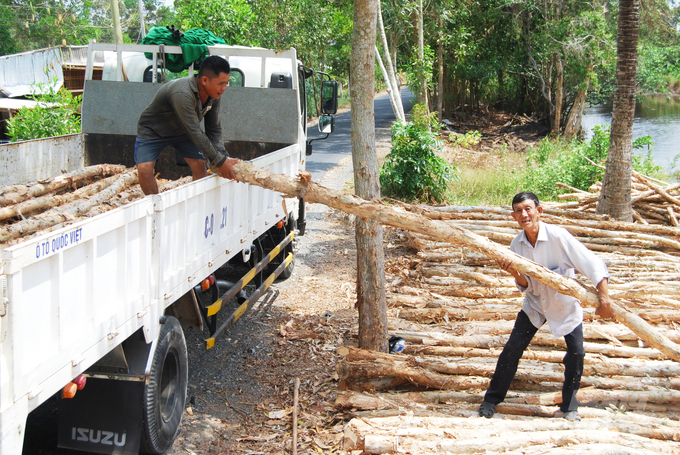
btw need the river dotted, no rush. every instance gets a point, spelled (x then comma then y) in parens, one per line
(657, 116)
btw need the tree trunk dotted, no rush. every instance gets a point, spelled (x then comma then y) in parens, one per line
(615, 194)
(391, 73)
(574, 120)
(388, 84)
(369, 233)
(422, 96)
(115, 16)
(559, 94)
(440, 81)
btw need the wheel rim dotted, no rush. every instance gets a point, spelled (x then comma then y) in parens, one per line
(169, 386)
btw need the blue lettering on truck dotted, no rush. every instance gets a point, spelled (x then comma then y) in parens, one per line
(58, 242)
(209, 225)
(209, 228)
(223, 224)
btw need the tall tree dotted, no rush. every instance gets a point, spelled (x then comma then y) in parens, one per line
(616, 185)
(369, 234)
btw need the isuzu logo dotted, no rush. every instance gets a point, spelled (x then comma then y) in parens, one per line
(107, 438)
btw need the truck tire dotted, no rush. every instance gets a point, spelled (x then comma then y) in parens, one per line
(166, 391)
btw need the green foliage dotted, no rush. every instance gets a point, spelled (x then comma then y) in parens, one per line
(567, 162)
(56, 114)
(420, 70)
(422, 120)
(412, 169)
(466, 140)
(231, 20)
(656, 65)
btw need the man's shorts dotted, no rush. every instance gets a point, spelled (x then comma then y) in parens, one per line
(147, 150)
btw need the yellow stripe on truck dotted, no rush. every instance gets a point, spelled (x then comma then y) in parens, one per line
(214, 308)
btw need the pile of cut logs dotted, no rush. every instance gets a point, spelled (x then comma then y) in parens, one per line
(33, 209)
(455, 308)
(654, 201)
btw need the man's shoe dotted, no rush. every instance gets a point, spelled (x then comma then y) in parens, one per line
(487, 410)
(572, 416)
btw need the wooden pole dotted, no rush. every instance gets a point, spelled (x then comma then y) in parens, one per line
(295, 414)
(313, 192)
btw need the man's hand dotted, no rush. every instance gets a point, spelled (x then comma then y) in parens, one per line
(605, 309)
(506, 264)
(226, 170)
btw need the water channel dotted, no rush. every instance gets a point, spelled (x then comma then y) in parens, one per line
(657, 116)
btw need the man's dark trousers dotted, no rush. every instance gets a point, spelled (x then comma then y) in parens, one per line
(520, 338)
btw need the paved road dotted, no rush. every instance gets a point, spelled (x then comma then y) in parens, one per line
(328, 153)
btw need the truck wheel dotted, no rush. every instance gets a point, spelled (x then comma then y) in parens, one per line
(165, 394)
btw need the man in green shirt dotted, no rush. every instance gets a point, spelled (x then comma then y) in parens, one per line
(174, 117)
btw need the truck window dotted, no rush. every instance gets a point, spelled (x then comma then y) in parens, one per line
(236, 78)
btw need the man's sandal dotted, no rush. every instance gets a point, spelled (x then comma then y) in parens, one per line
(487, 410)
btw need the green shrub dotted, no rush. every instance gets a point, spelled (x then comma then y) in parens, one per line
(56, 114)
(421, 119)
(559, 161)
(466, 140)
(412, 169)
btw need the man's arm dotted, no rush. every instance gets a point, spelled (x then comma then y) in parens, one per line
(605, 310)
(519, 278)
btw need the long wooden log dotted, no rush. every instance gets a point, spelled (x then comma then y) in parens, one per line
(541, 372)
(19, 193)
(409, 434)
(487, 342)
(43, 202)
(67, 212)
(312, 192)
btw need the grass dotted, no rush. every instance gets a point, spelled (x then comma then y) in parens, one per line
(487, 185)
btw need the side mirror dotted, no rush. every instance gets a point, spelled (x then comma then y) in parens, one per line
(326, 124)
(329, 97)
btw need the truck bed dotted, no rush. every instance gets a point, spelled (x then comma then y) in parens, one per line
(74, 294)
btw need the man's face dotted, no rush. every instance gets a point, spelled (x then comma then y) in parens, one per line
(215, 86)
(526, 214)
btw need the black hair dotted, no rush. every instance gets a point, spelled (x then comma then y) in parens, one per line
(523, 196)
(213, 65)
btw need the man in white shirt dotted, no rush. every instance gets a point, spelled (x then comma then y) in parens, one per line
(555, 248)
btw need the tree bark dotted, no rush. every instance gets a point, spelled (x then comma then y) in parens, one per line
(388, 84)
(615, 195)
(410, 434)
(391, 72)
(574, 120)
(369, 232)
(14, 194)
(422, 96)
(559, 93)
(440, 80)
(67, 212)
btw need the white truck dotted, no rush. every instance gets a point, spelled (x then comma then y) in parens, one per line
(105, 299)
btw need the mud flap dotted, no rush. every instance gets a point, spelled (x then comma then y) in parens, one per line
(104, 417)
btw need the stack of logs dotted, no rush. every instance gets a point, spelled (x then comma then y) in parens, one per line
(33, 209)
(455, 308)
(654, 201)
